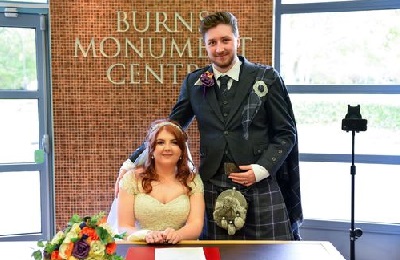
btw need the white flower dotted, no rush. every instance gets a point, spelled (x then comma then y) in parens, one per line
(75, 228)
(71, 236)
(107, 228)
(58, 238)
(97, 249)
(260, 88)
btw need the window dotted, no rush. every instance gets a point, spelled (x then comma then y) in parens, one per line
(332, 55)
(26, 1)
(341, 48)
(26, 157)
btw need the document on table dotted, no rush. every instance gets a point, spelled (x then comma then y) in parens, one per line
(173, 253)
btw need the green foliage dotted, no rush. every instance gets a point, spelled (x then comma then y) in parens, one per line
(17, 58)
(120, 236)
(104, 236)
(323, 113)
(74, 219)
(37, 255)
(95, 219)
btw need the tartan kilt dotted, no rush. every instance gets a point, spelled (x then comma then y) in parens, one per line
(267, 216)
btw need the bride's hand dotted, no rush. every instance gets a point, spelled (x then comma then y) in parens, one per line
(154, 237)
(171, 236)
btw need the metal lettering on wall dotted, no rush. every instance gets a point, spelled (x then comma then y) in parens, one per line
(138, 45)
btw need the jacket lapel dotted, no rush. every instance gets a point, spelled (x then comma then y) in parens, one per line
(211, 98)
(243, 87)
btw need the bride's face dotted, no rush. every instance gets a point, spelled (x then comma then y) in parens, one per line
(166, 149)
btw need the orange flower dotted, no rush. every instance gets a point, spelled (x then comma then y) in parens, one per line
(90, 232)
(55, 255)
(110, 248)
(102, 220)
(68, 251)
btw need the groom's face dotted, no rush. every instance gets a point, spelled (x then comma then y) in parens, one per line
(221, 45)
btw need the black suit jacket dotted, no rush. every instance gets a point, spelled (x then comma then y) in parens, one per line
(271, 135)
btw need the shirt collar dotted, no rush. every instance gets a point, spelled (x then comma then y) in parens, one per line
(232, 72)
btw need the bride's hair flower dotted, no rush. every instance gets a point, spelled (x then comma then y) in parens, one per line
(84, 238)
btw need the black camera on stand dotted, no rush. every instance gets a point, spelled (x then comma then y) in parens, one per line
(353, 120)
(355, 123)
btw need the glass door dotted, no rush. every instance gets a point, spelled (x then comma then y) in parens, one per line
(26, 185)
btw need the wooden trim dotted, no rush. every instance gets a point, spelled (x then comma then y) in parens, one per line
(232, 242)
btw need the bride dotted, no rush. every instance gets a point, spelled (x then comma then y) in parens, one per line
(160, 197)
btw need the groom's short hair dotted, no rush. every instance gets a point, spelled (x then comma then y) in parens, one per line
(214, 19)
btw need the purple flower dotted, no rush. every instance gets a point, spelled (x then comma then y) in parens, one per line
(46, 255)
(207, 80)
(81, 249)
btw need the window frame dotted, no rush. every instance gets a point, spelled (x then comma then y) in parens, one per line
(36, 16)
(343, 6)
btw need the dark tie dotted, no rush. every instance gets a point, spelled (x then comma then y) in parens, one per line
(223, 83)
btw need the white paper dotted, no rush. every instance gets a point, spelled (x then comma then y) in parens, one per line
(174, 253)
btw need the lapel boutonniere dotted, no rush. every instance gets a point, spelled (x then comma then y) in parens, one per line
(260, 88)
(206, 80)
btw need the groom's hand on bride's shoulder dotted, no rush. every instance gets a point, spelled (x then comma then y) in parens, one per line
(121, 173)
(126, 166)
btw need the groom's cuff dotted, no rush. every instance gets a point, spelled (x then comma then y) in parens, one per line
(260, 172)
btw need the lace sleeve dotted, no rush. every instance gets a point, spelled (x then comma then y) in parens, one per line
(129, 183)
(196, 185)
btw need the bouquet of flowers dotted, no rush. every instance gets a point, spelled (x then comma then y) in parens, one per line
(88, 238)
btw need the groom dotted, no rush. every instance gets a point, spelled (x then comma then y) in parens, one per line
(245, 120)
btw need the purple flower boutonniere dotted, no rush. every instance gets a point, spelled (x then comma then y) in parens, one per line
(206, 80)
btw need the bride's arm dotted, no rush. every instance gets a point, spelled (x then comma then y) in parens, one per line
(126, 202)
(126, 215)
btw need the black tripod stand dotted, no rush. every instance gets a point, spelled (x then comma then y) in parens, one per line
(353, 122)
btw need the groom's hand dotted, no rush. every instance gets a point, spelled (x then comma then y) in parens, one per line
(246, 177)
(122, 171)
(120, 175)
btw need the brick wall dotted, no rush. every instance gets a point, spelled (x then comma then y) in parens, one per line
(106, 92)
